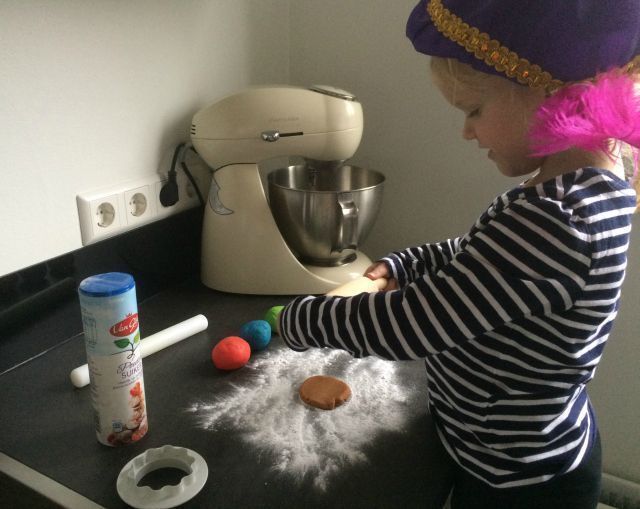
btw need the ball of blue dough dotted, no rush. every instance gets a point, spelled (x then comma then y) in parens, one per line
(257, 333)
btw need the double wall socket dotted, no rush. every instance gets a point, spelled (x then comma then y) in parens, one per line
(110, 211)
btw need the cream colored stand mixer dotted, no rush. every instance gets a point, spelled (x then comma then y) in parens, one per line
(243, 248)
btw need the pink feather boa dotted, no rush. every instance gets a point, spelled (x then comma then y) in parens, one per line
(588, 115)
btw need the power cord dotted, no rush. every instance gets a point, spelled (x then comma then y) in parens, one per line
(169, 194)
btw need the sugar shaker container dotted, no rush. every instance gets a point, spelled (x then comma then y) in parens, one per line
(112, 340)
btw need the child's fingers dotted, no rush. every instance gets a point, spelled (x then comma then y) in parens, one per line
(377, 270)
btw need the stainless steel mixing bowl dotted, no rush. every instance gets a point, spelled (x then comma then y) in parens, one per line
(325, 213)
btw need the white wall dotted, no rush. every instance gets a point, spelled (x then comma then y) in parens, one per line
(98, 92)
(437, 183)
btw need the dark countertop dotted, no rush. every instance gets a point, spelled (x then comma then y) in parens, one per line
(47, 424)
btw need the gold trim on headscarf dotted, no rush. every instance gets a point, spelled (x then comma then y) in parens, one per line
(492, 53)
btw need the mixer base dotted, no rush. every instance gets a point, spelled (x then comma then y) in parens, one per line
(321, 262)
(340, 274)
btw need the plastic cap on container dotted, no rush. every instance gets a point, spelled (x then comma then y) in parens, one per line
(106, 285)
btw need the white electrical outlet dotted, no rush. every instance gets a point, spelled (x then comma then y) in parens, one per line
(116, 209)
(139, 205)
(100, 215)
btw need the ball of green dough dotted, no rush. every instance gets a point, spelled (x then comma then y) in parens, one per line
(272, 315)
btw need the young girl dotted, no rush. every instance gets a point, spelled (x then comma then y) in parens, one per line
(512, 318)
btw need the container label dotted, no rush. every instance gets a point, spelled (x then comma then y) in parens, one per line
(117, 390)
(125, 327)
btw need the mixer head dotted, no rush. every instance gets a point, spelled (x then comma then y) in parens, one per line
(317, 123)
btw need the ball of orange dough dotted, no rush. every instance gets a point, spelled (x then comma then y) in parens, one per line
(231, 353)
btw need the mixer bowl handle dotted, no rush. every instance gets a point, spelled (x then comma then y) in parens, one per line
(348, 227)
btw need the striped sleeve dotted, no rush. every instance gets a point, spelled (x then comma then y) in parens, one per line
(528, 260)
(408, 265)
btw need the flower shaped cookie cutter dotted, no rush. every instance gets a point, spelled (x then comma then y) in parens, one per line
(168, 456)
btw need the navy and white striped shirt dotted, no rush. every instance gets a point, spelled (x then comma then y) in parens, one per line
(511, 320)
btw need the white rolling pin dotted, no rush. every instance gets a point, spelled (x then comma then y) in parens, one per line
(151, 344)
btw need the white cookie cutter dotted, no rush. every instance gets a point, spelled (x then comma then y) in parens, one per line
(168, 456)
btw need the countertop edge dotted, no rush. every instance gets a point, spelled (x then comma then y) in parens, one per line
(44, 485)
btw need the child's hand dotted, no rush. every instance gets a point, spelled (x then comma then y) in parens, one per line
(380, 270)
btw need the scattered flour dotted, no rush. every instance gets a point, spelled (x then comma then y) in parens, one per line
(266, 411)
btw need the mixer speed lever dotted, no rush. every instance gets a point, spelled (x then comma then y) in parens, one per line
(273, 135)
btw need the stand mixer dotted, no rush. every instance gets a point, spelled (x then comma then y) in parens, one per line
(243, 247)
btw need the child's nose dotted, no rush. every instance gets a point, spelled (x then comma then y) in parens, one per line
(468, 132)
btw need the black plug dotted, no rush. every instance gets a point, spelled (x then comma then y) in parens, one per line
(169, 192)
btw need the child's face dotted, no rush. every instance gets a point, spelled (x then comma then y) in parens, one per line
(497, 115)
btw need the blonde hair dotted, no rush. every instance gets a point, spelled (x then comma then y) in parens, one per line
(456, 76)
(457, 79)
(453, 75)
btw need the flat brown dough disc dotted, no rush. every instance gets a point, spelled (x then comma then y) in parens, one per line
(324, 392)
